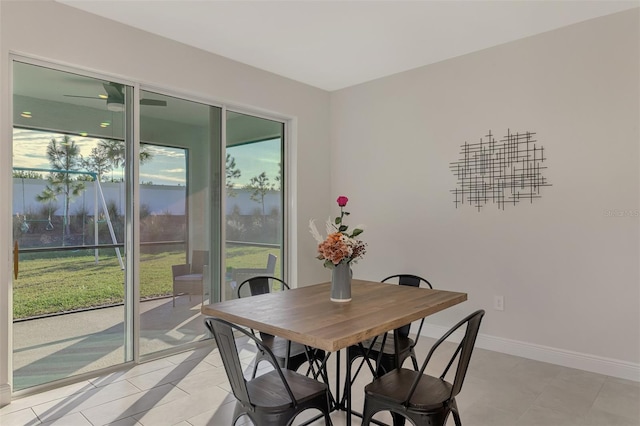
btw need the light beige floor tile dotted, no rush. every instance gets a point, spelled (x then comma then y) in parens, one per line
(181, 409)
(75, 403)
(535, 376)
(191, 355)
(75, 419)
(585, 379)
(598, 417)
(538, 416)
(169, 374)
(472, 391)
(22, 417)
(134, 371)
(620, 397)
(132, 404)
(221, 415)
(485, 415)
(214, 359)
(128, 421)
(572, 392)
(197, 383)
(51, 395)
(489, 365)
(505, 394)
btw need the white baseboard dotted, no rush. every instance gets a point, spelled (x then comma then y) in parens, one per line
(5, 394)
(565, 358)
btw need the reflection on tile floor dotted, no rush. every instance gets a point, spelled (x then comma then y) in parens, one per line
(191, 388)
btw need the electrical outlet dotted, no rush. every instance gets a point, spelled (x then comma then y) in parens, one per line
(498, 303)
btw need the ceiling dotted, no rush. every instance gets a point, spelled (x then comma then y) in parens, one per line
(336, 44)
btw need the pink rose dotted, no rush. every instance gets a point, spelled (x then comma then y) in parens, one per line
(342, 201)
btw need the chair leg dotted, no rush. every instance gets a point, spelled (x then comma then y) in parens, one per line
(255, 368)
(367, 413)
(237, 413)
(398, 419)
(327, 410)
(327, 420)
(387, 364)
(415, 362)
(456, 414)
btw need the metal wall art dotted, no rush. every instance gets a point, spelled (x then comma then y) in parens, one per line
(503, 172)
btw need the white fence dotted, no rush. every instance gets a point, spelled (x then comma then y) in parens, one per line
(159, 199)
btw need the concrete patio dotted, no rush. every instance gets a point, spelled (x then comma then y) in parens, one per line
(62, 346)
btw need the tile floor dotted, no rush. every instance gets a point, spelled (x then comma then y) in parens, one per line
(191, 388)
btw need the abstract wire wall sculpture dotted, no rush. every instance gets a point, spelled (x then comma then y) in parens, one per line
(504, 172)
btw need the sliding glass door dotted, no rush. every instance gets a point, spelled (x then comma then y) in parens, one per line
(101, 214)
(179, 205)
(72, 204)
(69, 144)
(254, 199)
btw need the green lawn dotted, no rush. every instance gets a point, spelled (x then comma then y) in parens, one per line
(66, 281)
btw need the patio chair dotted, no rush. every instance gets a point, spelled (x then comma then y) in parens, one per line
(274, 398)
(188, 278)
(287, 354)
(424, 399)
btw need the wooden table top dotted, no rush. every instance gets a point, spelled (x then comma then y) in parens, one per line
(306, 315)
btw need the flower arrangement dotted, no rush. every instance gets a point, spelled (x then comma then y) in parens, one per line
(340, 246)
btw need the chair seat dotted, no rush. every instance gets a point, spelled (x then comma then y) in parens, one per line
(297, 352)
(405, 344)
(431, 394)
(274, 398)
(189, 277)
(268, 393)
(279, 346)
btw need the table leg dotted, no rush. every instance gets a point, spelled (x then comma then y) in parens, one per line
(347, 393)
(338, 381)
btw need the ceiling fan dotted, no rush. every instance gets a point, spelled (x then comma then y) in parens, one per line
(115, 97)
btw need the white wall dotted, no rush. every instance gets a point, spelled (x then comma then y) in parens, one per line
(568, 272)
(55, 32)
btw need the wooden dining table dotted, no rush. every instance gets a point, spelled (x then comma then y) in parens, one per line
(307, 315)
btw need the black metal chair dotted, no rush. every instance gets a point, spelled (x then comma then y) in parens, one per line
(274, 398)
(424, 399)
(406, 345)
(289, 355)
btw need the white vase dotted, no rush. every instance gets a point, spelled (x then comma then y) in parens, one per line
(341, 283)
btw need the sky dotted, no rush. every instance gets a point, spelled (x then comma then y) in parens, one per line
(167, 166)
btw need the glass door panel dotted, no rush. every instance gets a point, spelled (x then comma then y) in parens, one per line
(68, 219)
(179, 205)
(254, 200)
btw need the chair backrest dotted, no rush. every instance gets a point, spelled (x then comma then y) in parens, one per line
(271, 264)
(198, 260)
(178, 270)
(413, 281)
(462, 353)
(260, 285)
(223, 332)
(467, 345)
